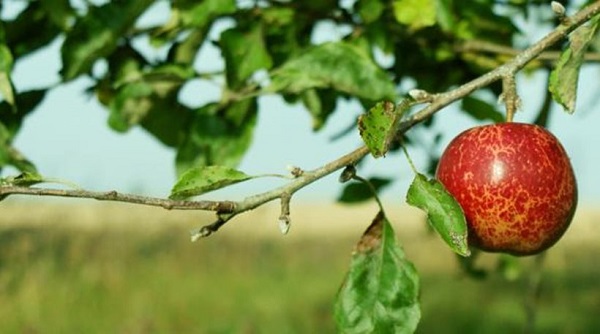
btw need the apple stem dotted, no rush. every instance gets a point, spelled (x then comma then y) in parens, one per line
(510, 96)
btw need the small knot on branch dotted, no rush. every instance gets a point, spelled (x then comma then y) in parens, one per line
(111, 195)
(421, 96)
(560, 11)
(295, 171)
(347, 174)
(224, 207)
(285, 222)
(206, 230)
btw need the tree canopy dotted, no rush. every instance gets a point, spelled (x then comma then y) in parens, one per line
(267, 48)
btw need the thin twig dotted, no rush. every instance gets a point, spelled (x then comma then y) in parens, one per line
(498, 49)
(217, 206)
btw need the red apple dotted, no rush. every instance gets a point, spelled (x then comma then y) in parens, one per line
(515, 184)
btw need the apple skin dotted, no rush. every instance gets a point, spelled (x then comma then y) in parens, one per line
(515, 184)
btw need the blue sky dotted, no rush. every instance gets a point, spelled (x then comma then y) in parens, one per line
(67, 137)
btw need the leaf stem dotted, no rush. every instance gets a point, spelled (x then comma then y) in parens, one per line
(372, 189)
(410, 162)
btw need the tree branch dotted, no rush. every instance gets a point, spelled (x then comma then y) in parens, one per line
(489, 47)
(510, 68)
(217, 206)
(226, 210)
(287, 190)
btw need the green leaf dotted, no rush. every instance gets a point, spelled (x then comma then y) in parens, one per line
(481, 110)
(185, 51)
(176, 115)
(200, 180)
(186, 14)
(369, 10)
(25, 179)
(377, 127)
(148, 99)
(378, 35)
(9, 155)
(10, 123)
(200, 13)
(357, 192)
(168, 77)
(6, 86)
(280, 25)
(380, 292)
(32, 29)
(131, 104)
(218, 135)
(244, 53)
(278, 16)
(97, 34)
(338, 65)
(444, 214)
(320, 104)
(125, 65)
(565, 76)
(416, 14)
(26, 102)
(60, 12)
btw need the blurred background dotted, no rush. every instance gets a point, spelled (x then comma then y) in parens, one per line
(75, 266)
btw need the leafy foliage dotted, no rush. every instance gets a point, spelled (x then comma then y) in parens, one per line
(380, 48)
(96, 34)
(141, 88)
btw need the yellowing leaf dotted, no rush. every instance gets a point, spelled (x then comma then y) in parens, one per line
(380, 293)
(376, 125)
(564, 78)
(416, 14)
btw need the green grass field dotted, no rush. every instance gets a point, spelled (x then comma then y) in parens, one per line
(65, 270)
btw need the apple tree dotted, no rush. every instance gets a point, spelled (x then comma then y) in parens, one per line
(403, 61)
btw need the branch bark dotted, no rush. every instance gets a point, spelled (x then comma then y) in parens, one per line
(493, 48)
(114, 196)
